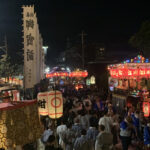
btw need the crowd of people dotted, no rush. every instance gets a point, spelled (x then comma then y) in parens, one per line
(91, 123)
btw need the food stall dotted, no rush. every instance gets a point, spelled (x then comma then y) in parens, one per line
(19, 123)
(129, 82)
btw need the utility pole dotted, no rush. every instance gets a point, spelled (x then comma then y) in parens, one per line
(82, 40)
(4, 48)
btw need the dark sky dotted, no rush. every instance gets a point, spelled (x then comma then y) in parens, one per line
(111, 22)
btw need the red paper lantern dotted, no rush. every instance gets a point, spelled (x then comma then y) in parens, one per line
(79, 74)
(146, 109)
(129, 73)
(57, 74)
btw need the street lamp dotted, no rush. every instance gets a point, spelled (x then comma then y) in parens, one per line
(47, 70)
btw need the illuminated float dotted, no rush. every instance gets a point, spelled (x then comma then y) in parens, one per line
(129, 81)
(58, 76)
(63, 76)
(19, 124)
(77, 78)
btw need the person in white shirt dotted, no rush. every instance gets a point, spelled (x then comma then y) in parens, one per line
(106, 121)
(59, 131)
(46, 134)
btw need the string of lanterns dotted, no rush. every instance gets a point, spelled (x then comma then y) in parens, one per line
(66, 74)
(138, 67)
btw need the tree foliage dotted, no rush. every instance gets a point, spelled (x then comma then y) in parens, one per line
(141, 39)
(9, 68)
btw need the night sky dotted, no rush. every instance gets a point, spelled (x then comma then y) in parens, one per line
(109, 22)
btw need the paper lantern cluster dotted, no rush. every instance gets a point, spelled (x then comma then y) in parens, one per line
(51, 104)
(139, 67)
(66, 74)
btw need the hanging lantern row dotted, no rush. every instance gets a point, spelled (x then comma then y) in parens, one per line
(66, 74)
(79, 74)
(57, 74)
(130, 73)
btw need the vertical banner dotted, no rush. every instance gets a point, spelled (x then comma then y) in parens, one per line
(146, 109)
(51, 103)
(31, 47)
(29, 28)
(43, 103)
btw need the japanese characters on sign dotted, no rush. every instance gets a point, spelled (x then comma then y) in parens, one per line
(29, 23)
(33, 51)
(50, 103)
(29, 28)
(30, 55)
(30, 39)
(43, 103)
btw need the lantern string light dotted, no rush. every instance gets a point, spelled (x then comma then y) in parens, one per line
(137, 67)
(66, 74)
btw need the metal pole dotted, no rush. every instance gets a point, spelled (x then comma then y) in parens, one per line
(55, 124)
(55, 98)
(82, 40)
(6, 47)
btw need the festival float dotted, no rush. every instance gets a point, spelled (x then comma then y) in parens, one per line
(19, 123)
(62, 76)
(77, 78)
(129, 82)
(58, 76)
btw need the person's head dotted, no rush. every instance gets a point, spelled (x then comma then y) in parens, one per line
(109, 105)
(128, 119)
(50, 127)
(110, 112)
(136, 113)
(93, 122)
(101, 128)
(63, 121)
(105, 113)
(76, 120)
(83, 112)
(83, 132)
(69, 125)
(87, 104)
(141, 114)
(148, 123)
